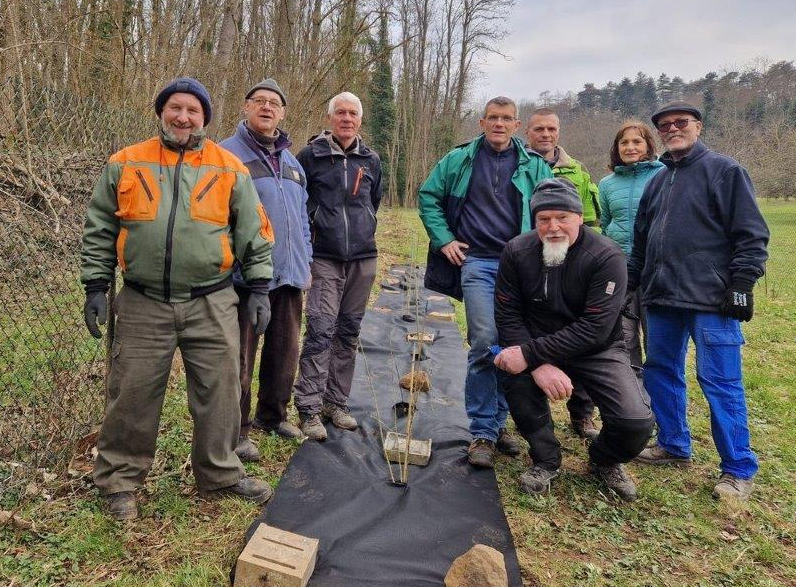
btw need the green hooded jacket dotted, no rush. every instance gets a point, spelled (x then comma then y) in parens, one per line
(443, 193)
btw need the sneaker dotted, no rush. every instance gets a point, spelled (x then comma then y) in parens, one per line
(617, 480)
(584, 427)
(339, 417)
(481, 453)
(248, 488)
(730, 486)
(246, 451)
(122, 505)
(657, 455)
(312, 427)
(507, 444)
(536, 480)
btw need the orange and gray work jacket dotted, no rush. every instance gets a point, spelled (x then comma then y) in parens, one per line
(175, 221)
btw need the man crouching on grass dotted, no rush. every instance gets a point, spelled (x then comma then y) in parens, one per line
(558, 296)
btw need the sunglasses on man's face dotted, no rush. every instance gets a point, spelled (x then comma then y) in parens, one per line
(678, 123)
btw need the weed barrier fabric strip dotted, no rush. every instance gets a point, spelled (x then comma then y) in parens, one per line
(372, 533)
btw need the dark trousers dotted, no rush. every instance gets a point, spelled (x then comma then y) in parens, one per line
(612, 385)
(335, 307)
(278, 359)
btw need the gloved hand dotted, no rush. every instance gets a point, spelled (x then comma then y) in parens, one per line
(259, 307)
(627, 304)
(95, 310)
(738, 302)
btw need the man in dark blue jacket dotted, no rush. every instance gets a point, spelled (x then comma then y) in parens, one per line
(280, 183)
(344, 186)
(699, 246)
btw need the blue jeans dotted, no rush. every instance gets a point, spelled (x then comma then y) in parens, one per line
(483, 394)
(718, 343)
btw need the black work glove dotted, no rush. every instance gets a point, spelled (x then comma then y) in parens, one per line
(627, 304)
(95, 310)
(738, 302)
(259, 307)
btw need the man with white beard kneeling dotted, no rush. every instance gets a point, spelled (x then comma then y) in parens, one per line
(558, 298)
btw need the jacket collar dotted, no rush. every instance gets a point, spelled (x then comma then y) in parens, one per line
(697, 152)
(639, 167)
(324, 145)
(245, 134)
(525, 153)
(563, 160)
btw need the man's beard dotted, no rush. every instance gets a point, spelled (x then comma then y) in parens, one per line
(554, 253)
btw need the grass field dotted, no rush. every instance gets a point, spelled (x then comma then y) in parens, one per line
(674, 534)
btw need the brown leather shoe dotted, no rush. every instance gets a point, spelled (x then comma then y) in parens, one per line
(585, 428)
(507, 444)
(481, 453)
(122, 505)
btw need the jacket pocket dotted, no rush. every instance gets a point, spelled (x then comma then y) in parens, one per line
(138, 194)
(227, 258)
(210, 198)
(723, 337)
(121, 240)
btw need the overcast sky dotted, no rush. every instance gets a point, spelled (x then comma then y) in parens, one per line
(560, 45)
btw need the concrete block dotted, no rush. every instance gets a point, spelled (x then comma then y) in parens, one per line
(275, 558)
(442, 316)
(427, 337)
(419, 450)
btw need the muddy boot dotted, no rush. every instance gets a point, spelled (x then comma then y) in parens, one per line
(481, 453)
(248, 488)
(617, 480)
(537, 480)
(312, 427)
(122, 505)
(339, 417)
(246, 450)
(730, 486)
(507, 444)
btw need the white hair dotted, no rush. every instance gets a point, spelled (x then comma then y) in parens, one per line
(345, 97)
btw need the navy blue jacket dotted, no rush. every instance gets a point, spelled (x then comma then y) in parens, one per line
(698, 232)
(344, 195)
(284, 197)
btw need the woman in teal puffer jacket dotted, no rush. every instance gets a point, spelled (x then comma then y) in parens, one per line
(633, 162)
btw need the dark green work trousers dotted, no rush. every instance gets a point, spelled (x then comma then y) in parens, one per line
(148, 333)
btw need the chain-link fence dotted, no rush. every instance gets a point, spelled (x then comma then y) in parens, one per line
(52, 148)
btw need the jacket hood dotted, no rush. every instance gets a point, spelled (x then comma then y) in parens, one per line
(697, 151)
(323, 144)
(564, 160)
(637, 167)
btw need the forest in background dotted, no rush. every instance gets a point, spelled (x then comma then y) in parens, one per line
(91, 68)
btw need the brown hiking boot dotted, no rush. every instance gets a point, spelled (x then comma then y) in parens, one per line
(657, 455)
(481, 453)
(507, 444)
(122, 505)
(248, 488)
(339, 417)
(284, 429)
(312, 427)
(246, 450)
(617, 480)
(584, 427)
(730, 486)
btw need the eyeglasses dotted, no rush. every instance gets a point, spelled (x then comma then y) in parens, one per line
(493, 118)
(261, 102)
(678, 123)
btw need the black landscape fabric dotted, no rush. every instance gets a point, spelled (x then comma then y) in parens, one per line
(373, 533)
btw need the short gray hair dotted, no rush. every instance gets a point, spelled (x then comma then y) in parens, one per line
(345, 97)
(500, 101)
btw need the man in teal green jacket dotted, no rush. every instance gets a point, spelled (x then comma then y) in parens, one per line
(476, 199)
(544, 129)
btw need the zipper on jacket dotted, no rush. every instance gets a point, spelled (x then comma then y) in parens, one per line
(345, 203)
(664, 219)
(278, 177)
(545, 283)
(170, 228)
(146, 186)
(206, 189)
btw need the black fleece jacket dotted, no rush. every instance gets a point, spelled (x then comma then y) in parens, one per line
(557, 314)
(698, 233)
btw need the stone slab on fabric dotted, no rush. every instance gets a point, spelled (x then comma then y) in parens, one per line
(481, 566)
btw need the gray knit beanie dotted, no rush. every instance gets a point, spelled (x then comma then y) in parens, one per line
(268, 84)
(555, 194)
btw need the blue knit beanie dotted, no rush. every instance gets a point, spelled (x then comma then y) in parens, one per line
(185, 85)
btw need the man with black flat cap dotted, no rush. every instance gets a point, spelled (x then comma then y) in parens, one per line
(558, 296)
(699, 246)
